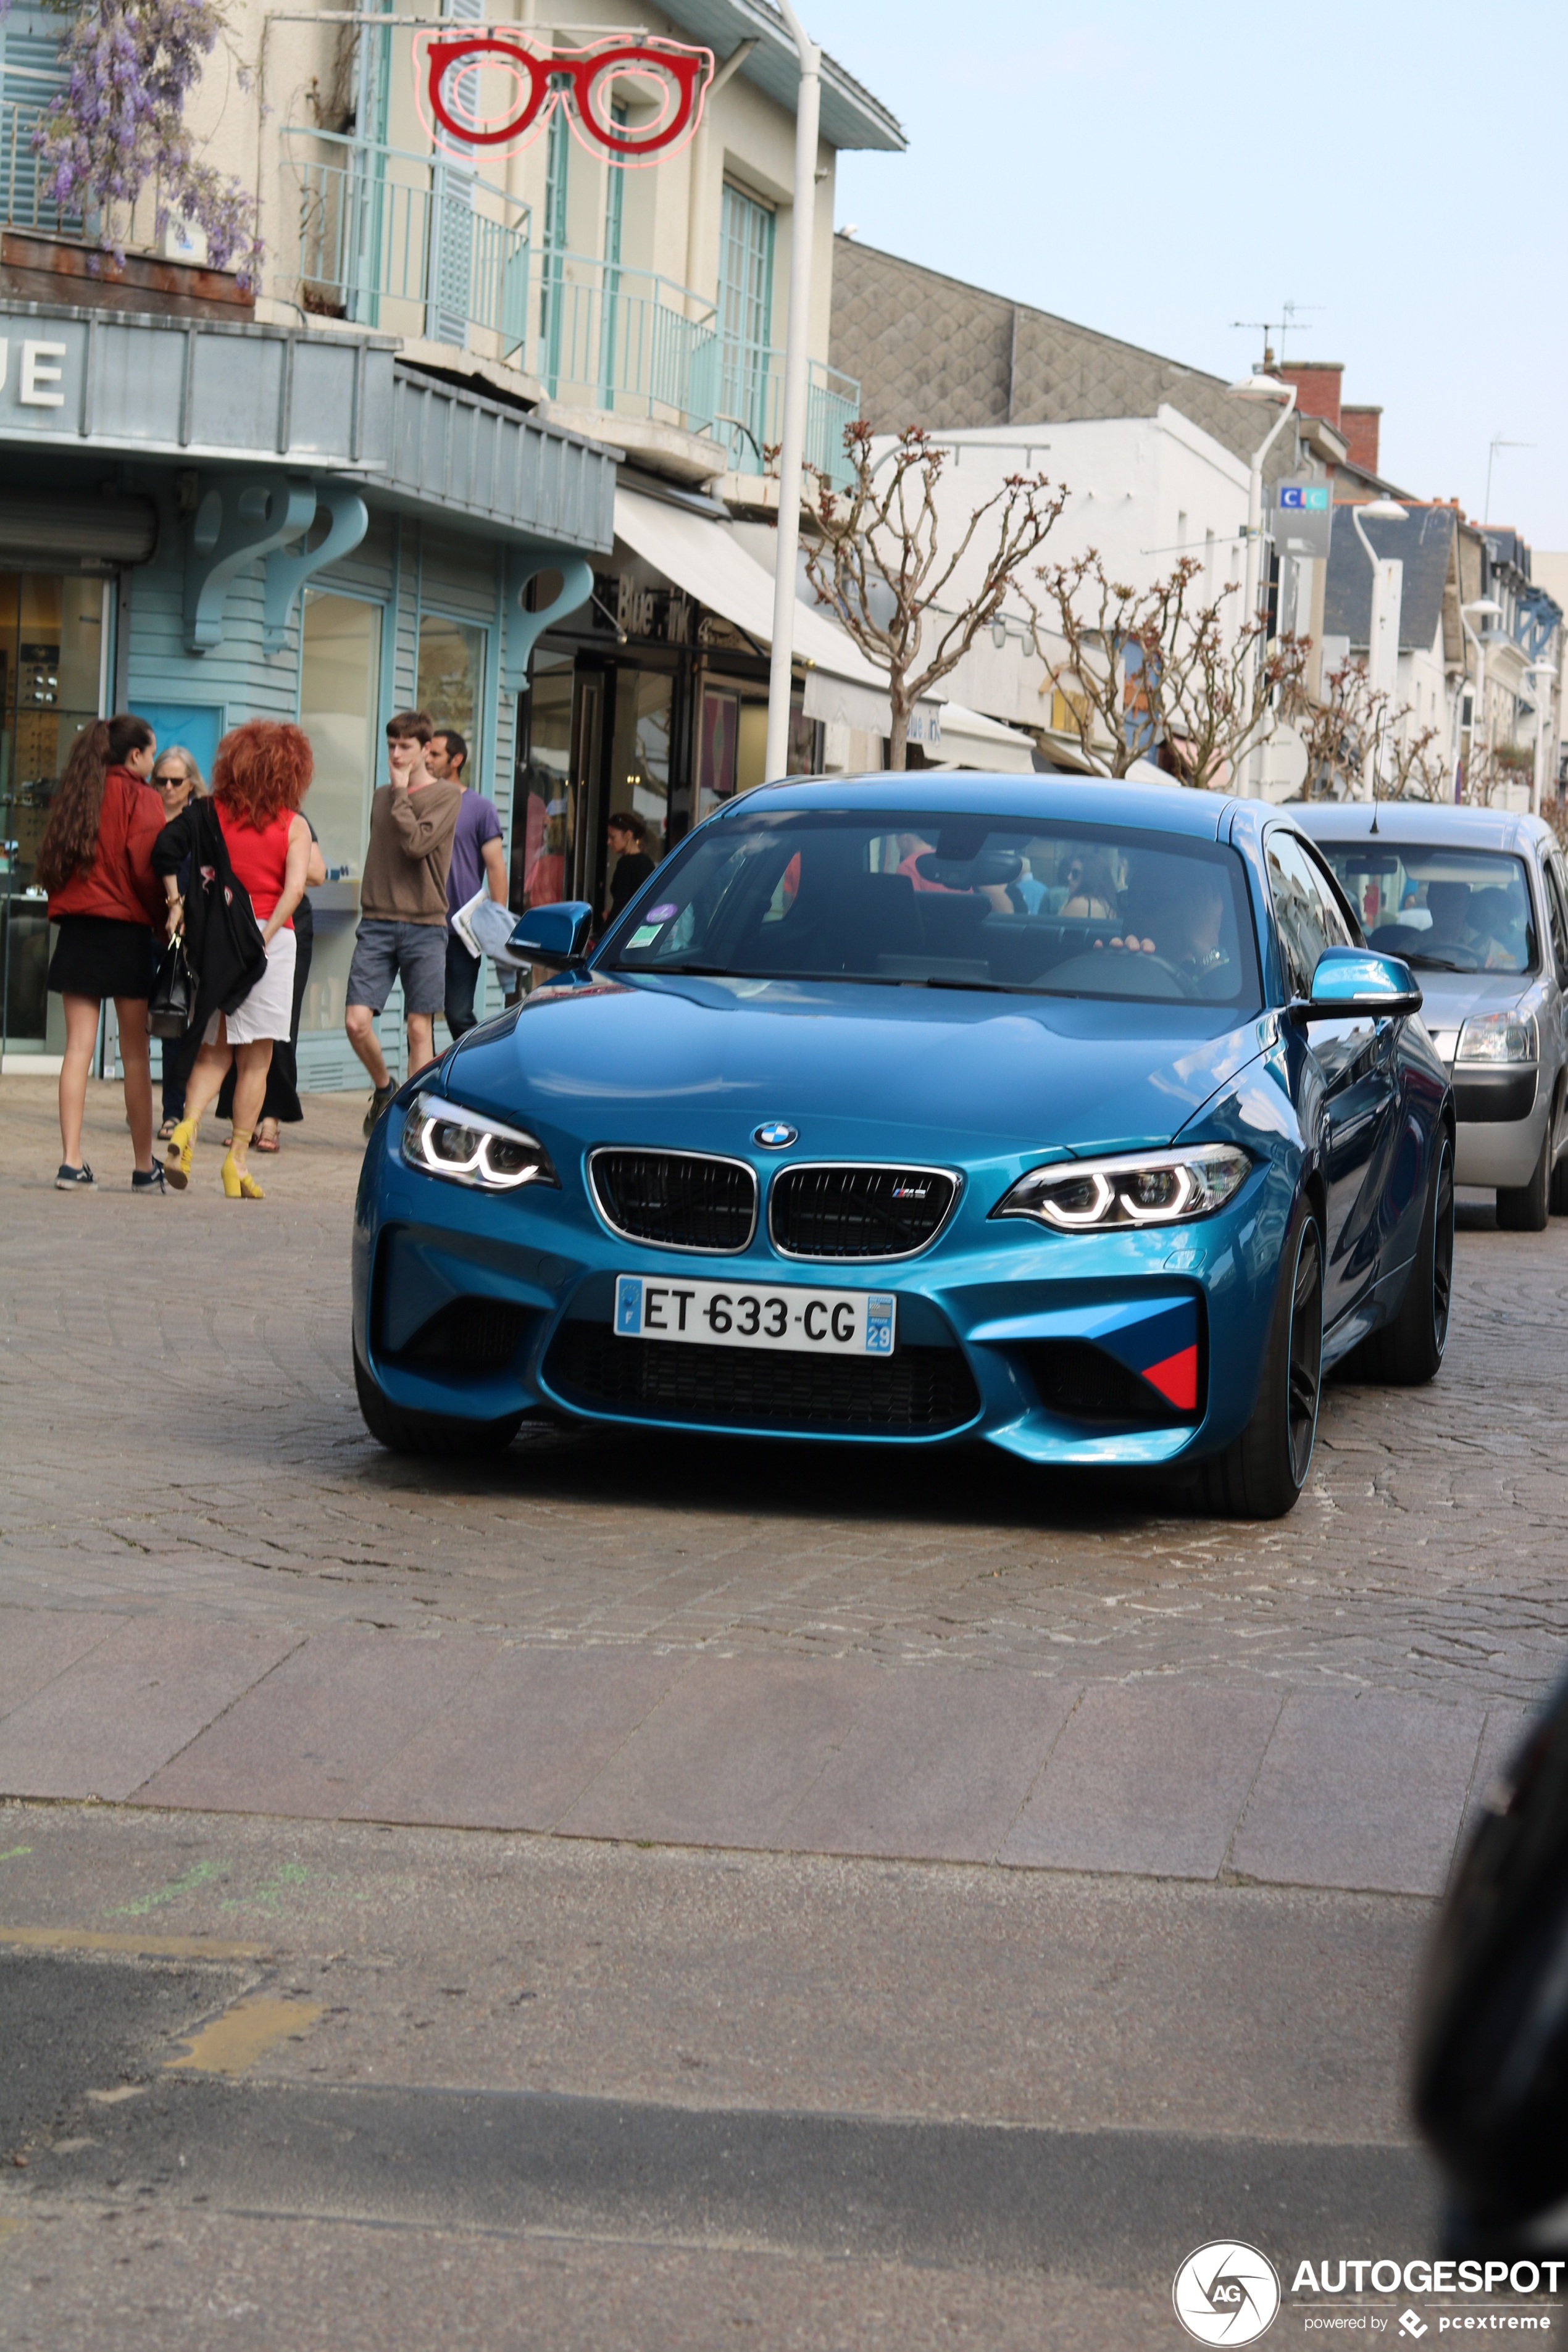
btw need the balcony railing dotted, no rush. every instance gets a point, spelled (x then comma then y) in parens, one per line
(25, 198)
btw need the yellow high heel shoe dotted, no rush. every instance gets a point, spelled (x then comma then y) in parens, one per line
(239, 1184)
(181, 1151)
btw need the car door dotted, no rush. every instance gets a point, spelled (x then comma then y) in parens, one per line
(1555, 1012)
(1355, 1059)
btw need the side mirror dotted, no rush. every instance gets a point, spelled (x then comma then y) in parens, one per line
(558, 934)
(1350, 982)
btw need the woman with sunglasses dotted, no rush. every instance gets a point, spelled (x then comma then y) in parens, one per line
(176, 779)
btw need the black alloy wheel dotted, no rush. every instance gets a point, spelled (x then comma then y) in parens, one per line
(1408, 1350)
(1260, 1474)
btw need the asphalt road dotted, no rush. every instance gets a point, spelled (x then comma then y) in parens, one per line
(298, 2081)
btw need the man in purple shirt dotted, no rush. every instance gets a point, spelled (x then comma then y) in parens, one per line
(477, 858)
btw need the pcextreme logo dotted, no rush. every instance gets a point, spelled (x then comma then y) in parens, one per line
(1227, 2292)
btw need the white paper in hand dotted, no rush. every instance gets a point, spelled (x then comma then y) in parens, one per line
(484, 929)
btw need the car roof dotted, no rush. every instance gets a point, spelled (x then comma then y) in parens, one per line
(1423, 821)
(1083, 800)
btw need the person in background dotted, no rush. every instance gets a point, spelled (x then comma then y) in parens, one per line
(1091, 889)
(280, 1104)
(627, 836)
(176, 779)
(403, 905)
(95, 860)
(477, 858)
(262, 771)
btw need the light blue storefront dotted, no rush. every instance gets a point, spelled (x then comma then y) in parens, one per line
(205, 523)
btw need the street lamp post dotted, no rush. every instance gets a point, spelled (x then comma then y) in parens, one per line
(1489, 610)
(1271, 389)
(1542, 672)
(1383, 621)
(792, 451)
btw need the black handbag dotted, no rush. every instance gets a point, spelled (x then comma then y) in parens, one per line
(172, 1007)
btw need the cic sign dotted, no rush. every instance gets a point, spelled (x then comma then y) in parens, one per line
(490, 91)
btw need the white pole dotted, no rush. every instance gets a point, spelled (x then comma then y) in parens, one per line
(792, 452)
(1252, 786)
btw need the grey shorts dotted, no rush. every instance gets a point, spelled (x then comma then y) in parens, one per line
(414, 953)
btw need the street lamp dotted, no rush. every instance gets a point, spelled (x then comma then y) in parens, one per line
(1261, 389)
(792, 436)
(1383, 619)
(1489, 609)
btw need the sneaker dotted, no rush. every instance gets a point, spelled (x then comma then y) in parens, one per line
(380, 1102)
(152, 1181)
(75, 1179)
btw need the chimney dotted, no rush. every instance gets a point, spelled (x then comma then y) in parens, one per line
(1360, 427)
(1317, 389)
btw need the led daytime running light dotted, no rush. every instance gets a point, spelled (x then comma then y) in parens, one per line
(466, 1147)
(1186, 1185)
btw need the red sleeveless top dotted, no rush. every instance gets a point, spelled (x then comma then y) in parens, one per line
(258, 858)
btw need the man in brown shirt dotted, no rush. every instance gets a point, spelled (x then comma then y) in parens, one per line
(403, 905)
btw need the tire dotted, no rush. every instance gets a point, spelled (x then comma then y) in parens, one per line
(1409, 1350)
(427, 1433)
(1260, 1474)
(1527, 1208)
(1557, 1190)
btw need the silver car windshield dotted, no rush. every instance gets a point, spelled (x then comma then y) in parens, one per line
(950, 901)
(1442, 909)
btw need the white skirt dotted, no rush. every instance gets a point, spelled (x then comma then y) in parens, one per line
(269, 1009)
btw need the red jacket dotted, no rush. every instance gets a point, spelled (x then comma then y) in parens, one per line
(120, 883)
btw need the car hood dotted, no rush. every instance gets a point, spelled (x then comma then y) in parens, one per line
(1448, 998)
(854, 1069)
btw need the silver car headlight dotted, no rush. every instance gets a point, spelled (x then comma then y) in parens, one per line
(469, 1147)
(1155, 1188)
(1496, 1038)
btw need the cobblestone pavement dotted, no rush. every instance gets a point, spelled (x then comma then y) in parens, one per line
(180, 1431)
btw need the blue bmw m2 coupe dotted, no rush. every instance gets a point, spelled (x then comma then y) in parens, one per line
(1073, 1116)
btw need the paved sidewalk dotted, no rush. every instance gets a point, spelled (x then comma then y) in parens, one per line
(839, 1757)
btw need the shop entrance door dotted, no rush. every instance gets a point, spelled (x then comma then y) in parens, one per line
(561, 719)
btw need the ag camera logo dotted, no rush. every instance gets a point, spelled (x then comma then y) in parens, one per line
(1227, 2292)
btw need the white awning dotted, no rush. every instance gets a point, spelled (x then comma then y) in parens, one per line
(970, 739)
(702, 555)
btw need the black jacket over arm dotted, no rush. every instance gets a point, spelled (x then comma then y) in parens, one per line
(223, 938)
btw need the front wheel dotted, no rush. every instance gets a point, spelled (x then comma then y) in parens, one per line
(427, 1433)
(1260, 1474)
(1527, 1208)
(1409, 1350)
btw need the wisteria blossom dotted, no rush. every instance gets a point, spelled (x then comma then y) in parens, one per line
(120, 122)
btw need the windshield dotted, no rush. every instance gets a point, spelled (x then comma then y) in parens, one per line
(963, 902)
(1441, 909)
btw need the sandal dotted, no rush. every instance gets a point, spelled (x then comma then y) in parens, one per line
(262, 1142)
(165, 1133)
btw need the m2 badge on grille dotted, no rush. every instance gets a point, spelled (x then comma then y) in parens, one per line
(737, 1315)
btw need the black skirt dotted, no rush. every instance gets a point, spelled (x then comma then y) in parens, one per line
(96, 956)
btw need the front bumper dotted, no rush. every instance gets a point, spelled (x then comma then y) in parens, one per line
(477, 1307)
(1502, 1117)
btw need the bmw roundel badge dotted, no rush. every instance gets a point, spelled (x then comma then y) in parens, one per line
(775, 1136)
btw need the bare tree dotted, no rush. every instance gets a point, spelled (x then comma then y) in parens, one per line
(1153, 668)
(1339, 730)
(1414, 767)
(879, 565)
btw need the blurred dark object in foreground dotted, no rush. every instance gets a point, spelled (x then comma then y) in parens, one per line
(1491, 2061)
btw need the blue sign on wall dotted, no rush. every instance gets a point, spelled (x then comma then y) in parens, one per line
(1305, 498)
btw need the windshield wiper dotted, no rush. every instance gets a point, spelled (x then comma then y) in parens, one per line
(1434, 964)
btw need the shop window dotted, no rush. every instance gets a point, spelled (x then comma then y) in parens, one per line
(732, 741)
(340, 696)
(543, 831)
(51, 670)
(640, 762)
(450, 681)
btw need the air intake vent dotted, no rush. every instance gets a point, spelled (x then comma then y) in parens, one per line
(676, 1199)
(862, 1212)
(471, 1336)
(1081, 1382)
(917, 1393)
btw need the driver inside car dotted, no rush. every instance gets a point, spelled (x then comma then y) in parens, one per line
(1182, 925)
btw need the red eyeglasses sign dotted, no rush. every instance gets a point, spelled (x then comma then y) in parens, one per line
(455, 80)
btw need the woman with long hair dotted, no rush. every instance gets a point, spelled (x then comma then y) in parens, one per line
(95, 862)
(176, 778)
(261, 774)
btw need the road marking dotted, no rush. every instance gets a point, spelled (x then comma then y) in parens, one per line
(154, 1947)
(245, 2033)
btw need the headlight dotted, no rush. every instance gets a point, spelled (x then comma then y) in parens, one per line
(1157, 1188)
(441, 1138)
(1498, 1037)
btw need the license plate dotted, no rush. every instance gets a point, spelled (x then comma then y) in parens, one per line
(746, 1315)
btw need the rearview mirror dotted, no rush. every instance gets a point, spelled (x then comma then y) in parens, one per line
(556, 934)
(1352, 982)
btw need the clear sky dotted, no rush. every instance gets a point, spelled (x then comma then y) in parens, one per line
(1159, 170)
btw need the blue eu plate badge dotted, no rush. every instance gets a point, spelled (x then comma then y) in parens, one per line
(878, 1326)
(629, 1304)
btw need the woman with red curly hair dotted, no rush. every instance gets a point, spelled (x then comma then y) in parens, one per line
(261, 774)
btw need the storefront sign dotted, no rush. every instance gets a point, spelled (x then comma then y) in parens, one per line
(1303, 517)
(490, 90)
